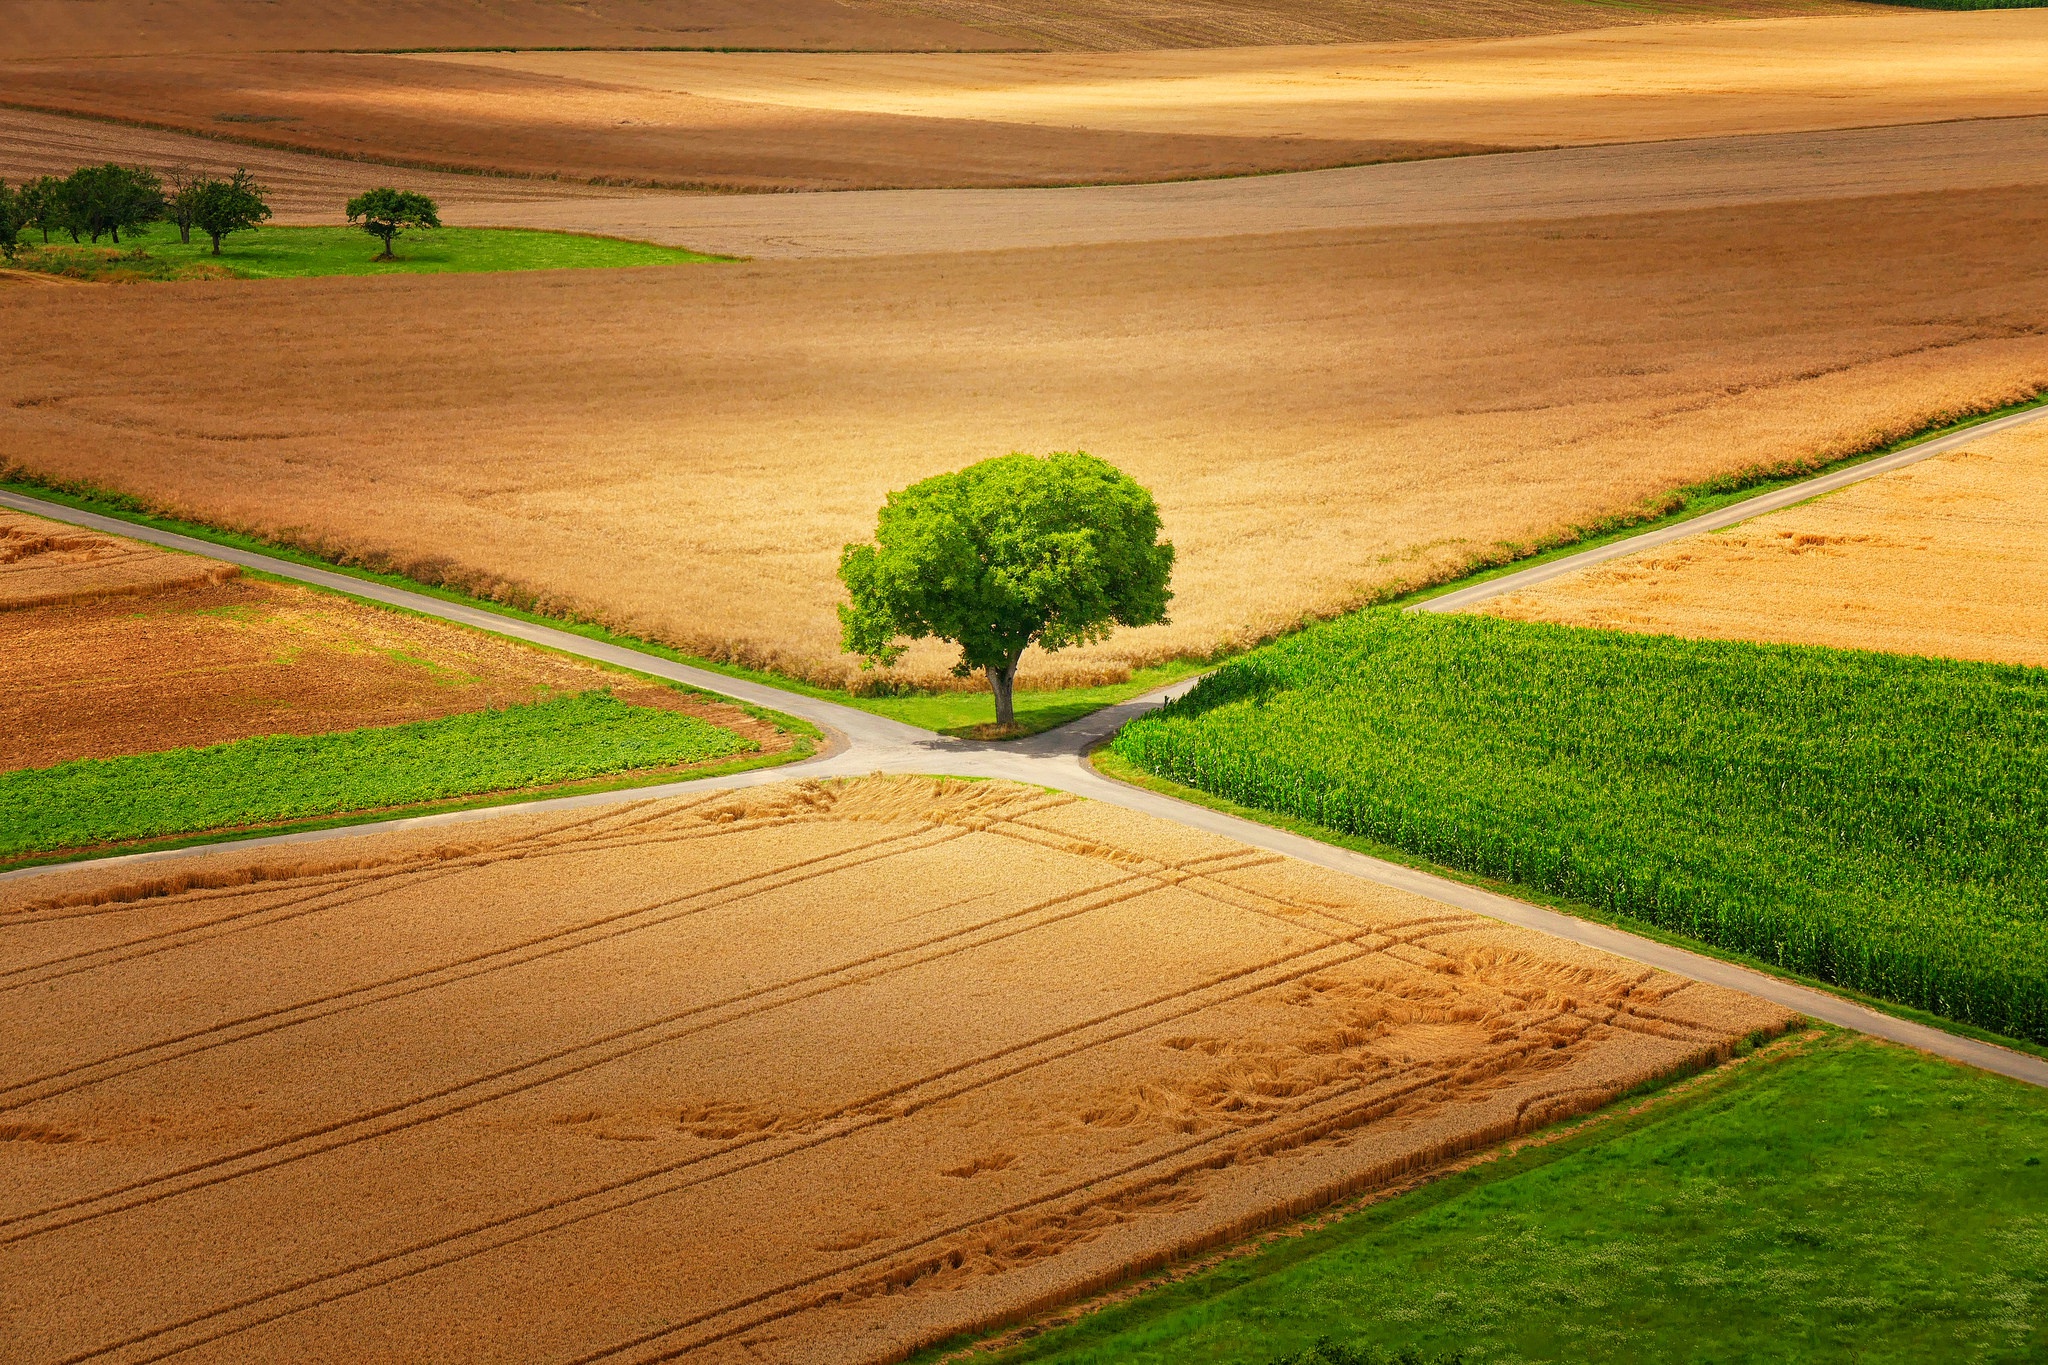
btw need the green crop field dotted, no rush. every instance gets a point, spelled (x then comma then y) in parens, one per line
(276, 252)
(276, 778)
(1872, 820)
(1831, 1199)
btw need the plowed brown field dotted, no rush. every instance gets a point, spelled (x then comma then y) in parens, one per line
(1947, 557)
(135, 650)
(839, 121)
(798, 1073)
(1323, 417)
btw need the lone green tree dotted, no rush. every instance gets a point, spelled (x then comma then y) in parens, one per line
(1002, 555)
(235, 204)
(105, 200)
(42, 205)
(11, 220)
(384, 213)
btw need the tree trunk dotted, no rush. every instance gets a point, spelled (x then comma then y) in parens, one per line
(216, 241)
(1003, 681)
(117, 235)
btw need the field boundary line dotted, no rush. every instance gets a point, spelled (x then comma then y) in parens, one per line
(1773, 501)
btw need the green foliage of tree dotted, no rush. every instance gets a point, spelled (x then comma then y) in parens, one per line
(42, 205)
(10, 221)
(386, 212)
(220, 207)
(102, 200)
(1005, 554)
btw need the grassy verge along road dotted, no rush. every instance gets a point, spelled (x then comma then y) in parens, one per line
(280, 779)
(281, 252)
(1827, 1199)
(1870, 820)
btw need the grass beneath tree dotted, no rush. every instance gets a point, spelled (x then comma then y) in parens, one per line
(1831, 1198)
(283, 252)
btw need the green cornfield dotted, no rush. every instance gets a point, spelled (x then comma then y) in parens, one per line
(1873, 820)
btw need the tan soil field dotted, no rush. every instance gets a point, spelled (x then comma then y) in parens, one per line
(1109, 25)
(1947, 557)
(136, 649)
(444, 115)
(804, 1072)
(1608, 85)
(127, 28)
(826, 121)
(46, 563)
(1323, 417)
(1567, 183)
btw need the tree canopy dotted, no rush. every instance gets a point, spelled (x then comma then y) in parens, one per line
(104, 200)
(1002, 555)
(220, 207)
(12, 219)
(385, 212)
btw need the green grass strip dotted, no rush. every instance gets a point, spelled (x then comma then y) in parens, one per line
(276, 778)
(1874, 821)
(1836, 1201)
(291, 252)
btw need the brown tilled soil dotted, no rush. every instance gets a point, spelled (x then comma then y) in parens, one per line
(682, 453)
(449, 115)
(856, 121)
(799, 1073)
(46, 563)
(1947, 557)
(141, 650)
(127, 28)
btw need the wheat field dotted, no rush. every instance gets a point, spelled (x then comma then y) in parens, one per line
(809, 1071)
(680, 453)
(1946, 557)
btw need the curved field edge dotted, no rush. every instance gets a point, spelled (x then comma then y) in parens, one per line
(270, 779)
(1825, 1166)
(1870, 819)
(1117, 768)
(946, 712)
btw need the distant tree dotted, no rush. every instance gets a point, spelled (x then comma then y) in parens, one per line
(1002, 555)
(10, 221)
(235, 204)
(102, 200)
(385, 213)
(181, 200)
(42, 205)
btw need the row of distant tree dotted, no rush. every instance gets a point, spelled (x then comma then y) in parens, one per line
(105, 201)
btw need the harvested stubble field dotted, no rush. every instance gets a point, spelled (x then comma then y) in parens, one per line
(803, 1071)
(1946, 558)
(850, 121)
(1324, 417)
(115, 647)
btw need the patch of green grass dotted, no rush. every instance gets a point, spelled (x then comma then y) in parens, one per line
(280, 252)
(1876, 821)
(967, 713)
(280, 778)
(1834, 1199)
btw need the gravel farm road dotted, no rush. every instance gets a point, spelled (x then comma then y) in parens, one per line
(862, 743)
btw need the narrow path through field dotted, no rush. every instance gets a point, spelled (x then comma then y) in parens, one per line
(1058, 760)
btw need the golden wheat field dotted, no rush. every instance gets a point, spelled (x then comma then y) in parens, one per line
(115, 647)
(801, 1072)
(853, 121)
(1946, 557)
(1324, 417)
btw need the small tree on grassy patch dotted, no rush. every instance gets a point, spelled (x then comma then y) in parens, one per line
(235, 204)
(42, 205)
(181, 201)
(10, 221)
(105, 200)
(385, 213)
(1002, 555)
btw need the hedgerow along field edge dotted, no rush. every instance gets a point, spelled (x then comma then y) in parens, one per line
(1870, 820)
